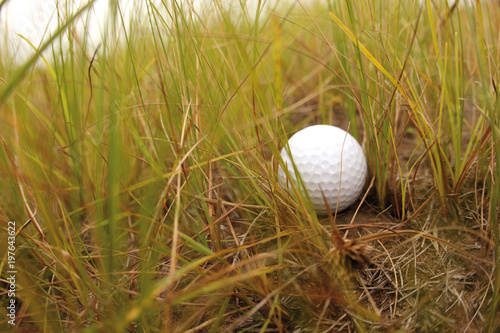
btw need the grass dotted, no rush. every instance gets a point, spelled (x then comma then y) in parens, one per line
(142, 174)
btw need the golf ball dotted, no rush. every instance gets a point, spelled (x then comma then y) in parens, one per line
(330, 162)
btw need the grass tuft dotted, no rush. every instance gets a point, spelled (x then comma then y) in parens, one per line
(142, 173)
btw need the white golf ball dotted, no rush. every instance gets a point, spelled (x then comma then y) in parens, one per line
(330, 162)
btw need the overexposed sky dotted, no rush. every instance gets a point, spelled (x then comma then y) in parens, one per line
(36, 19)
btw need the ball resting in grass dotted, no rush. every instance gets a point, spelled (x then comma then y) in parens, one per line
(330, 162)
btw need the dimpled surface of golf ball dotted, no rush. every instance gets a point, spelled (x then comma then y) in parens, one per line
(330, 162)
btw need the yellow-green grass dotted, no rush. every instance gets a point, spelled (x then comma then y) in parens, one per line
(142, 175)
